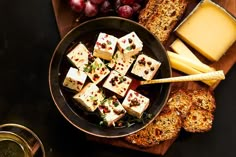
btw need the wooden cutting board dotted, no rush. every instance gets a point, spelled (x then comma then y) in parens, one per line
(66, 20)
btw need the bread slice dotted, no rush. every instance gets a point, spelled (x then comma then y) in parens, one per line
(166, 126)
(198, 120)
(161, 16)
(147, 12)
(203, 98)
(181, 101)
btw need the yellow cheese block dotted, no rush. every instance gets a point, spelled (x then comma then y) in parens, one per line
(209, 29)
(192, 63)
(179, 47)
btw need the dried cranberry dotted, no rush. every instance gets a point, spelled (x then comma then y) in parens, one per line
(103, 45)
(106, 110)
(130, 40)
(95, 76)
(146, 72)
(133, 46)
(142, 61)
(95, 103)
(134, 102)
(149, 62)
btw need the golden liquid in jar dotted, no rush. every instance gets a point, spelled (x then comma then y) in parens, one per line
(12, 145)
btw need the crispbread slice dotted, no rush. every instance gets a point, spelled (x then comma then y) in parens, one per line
(166, 126)
(203, 98)
(198, 120)
(181, 101)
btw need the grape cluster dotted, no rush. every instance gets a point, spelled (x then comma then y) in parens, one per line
(122, 8)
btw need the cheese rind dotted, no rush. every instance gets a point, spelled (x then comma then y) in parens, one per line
(209, 29)
(111, 110)
(105, 46)
(96, 71)
(135, 103)
(117, 83)
(90, 97)
(120, 63)
(130, 44)
(145, 67)
(78, 56)
(74, 79)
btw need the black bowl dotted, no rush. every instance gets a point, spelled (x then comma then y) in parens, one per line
(87, 33)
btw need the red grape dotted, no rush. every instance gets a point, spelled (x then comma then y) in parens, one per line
(136, 8)
(105, 7)
(127, 2)
(77, 5)
(117, 4)
(125, 11)
(90, 9)
(97, 1)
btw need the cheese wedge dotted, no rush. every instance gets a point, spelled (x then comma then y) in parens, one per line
(185, 68)
(192, 63)
(179, 47)
(209, 29)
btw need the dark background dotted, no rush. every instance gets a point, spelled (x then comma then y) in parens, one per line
(28, 37)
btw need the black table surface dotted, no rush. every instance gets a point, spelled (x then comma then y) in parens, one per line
(28, 37)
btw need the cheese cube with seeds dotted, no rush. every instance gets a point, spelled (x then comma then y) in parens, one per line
(74, 79)
(90, 97)
(117, 83)
(130, 44)
(120, 63)
(105, 46)
(135, 103)
(79, 56)
(145, 67)
(96, 71)
(111, 110)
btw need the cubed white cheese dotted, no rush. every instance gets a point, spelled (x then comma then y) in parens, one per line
(96, 71)
(105, 46)
(79, 56)
(90, 97)
(75, 79)
(111, 110)
(117, 83)
(135, 103)
(130, 44)
(145, 67)
(120, 63)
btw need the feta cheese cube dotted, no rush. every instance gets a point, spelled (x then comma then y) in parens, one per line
(79, 56)
(135, 103)
(105, 46)
(74, 79)
(90, 97)
(117, 83)
(111, 110)
(96, 71)
(130, 44)
(120, 63)
(145, 67)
